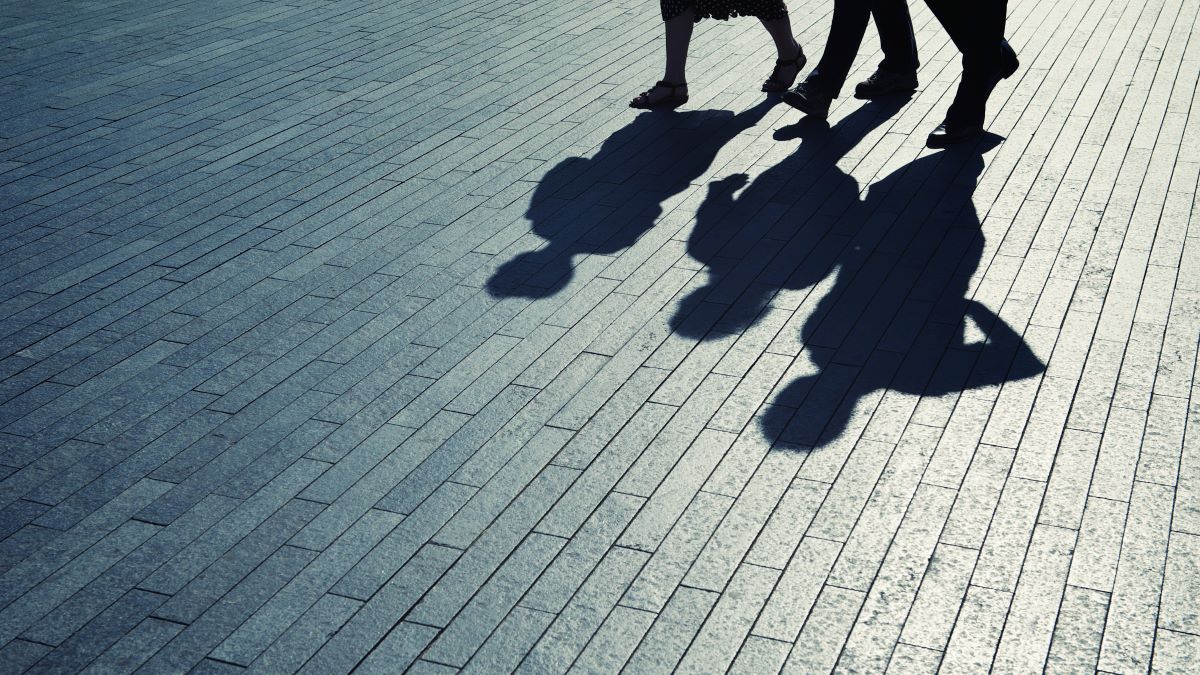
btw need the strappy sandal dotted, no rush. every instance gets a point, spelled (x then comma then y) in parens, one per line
(775, 83)
(675, 98)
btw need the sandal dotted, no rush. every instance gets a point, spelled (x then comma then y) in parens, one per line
(643, 102)
(775, 83)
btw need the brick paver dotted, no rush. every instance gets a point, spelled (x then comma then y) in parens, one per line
(375, 335)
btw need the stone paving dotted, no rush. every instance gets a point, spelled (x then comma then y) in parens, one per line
(369, 335)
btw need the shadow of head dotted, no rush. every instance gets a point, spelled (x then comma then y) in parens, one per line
(899, 314)
(728, 235)
(603, 203)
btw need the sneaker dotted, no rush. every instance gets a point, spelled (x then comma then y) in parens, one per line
(882, 83)
(808, 99)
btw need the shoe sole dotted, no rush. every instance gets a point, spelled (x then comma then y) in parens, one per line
(665, 104)
(801, 104)
(939, 142)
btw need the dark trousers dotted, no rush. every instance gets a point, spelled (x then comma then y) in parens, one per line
(977, 29)
(846, 34)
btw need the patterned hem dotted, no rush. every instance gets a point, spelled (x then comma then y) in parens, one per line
(733, 15)
(723, 10)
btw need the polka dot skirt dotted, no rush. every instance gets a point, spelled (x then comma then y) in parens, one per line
(725, 9)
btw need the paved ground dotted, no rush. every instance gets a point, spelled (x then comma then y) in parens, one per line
(371, 334)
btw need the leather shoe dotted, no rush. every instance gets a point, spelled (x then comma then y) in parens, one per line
(1007, 65)
(951, 133)
(971, 107)
(808, 99)
(882, 83)
(1008, 60)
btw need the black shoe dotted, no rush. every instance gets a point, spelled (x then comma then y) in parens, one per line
(1008, 60)
(970, 102)
(1007, 65)
(882, 83)
(808, 99)
(951, 133)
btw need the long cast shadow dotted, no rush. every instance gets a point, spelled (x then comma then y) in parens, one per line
(882, 282)
(750, 251)
(604, 203)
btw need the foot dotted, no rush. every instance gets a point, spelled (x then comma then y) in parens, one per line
(785, 73)
(883, 82)
(809, 100)
(663, 95)
(951, 133)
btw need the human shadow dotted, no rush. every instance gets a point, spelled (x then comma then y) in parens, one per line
(881, 282)
(604, 203)
(749, 250)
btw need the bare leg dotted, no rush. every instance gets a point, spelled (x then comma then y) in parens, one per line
(781, 32)
(679, 36)
(788, 50)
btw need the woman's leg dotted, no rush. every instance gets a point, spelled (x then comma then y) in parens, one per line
(679, 36)
(788, 50)
(781, 32)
